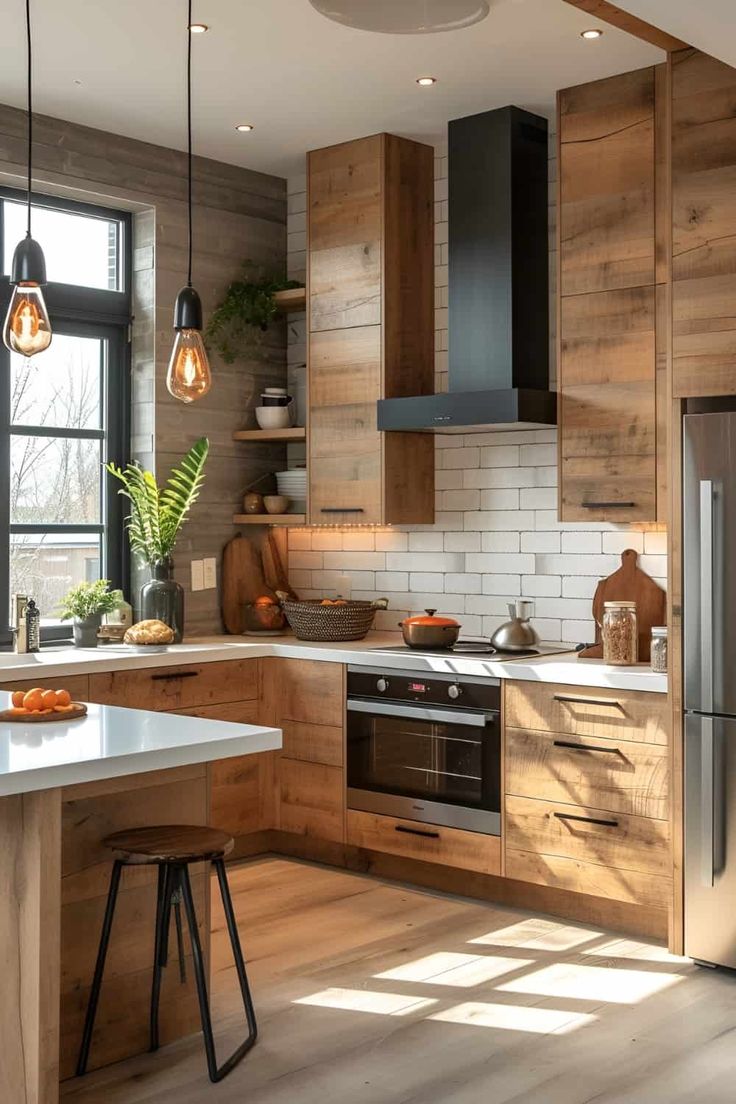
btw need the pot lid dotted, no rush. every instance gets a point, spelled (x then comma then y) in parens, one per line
(428, 618)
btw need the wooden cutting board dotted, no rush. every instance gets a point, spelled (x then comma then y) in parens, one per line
(629, 584)
(241, 580)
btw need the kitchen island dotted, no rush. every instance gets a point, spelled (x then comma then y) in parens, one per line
(63, 786)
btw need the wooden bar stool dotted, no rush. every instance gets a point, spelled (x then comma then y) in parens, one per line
(172, 847)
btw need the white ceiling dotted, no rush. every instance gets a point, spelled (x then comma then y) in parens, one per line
(302, 80)
(708, 24)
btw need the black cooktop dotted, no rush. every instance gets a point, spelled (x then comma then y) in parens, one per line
(482, 649)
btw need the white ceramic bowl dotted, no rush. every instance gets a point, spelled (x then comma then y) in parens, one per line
(273, 417)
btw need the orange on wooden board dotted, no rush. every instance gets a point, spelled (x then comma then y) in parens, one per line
(18, 696)
(64, 708)
(18, 711)
(33, 699)
(63, 697)
(48, 699)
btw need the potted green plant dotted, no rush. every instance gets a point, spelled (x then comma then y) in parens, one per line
(86, 603)
(248, 306)
(155, 521)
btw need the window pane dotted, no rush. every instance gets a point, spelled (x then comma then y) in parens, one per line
(61, 388)
(45, 565)
(55, 481)
(79, 249)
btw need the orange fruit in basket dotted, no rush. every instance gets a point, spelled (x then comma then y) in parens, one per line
(48, 699)
(264, 600)
(63, 697)
(18, 696)
(63, 708)
(33, 699)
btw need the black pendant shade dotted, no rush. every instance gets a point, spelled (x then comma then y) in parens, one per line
(188, 309)
(29, 263)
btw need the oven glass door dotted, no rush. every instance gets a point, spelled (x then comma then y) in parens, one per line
(433, 755)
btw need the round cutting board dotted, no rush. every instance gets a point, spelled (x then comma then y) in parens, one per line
(79, 710)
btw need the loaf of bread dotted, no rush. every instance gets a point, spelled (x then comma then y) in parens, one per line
(149, 632)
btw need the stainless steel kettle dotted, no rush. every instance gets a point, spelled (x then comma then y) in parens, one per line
(516, 635)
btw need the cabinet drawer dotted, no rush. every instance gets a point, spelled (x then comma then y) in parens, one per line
(313, 743)
(77, 685)
(601, 714)
(312, 800)
(622, 776)
(308, 690)
(427, 842)
(588, 850)
(243, 793)
(180, 687)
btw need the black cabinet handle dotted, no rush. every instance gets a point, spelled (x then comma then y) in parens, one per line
(572, 700)
(342, 510)
(167, 676)
(586, 747)
(587, 820)
(608, 505)
(416, 832)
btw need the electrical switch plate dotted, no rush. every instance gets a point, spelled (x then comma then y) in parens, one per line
(210, 573)
(197, 574)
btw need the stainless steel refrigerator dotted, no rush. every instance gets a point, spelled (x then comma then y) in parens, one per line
(709, 532)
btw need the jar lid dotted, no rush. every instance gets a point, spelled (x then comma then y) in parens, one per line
(659, 630)
(619, 605)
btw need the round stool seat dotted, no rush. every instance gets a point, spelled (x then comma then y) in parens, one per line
(175, 843)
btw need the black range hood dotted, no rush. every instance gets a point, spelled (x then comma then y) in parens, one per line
(498, 279)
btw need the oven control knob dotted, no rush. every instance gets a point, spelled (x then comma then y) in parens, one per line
(382, 685)
(454, 691)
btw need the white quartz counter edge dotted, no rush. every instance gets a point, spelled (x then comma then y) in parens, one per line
(566, 668)
(111, 742)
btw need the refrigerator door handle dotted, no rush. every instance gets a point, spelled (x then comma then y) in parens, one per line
(707, 803)
(706, 595)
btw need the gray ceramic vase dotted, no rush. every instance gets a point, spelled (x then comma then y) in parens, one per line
(85, 630)
(162, 598)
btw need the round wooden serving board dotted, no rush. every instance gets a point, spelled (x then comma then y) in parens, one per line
(79, 710)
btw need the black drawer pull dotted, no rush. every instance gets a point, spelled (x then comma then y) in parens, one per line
(587, 820)
(342, 510)
(571, 700)
(586, 747)
(608, 505)
(167, 676)
(416, 832)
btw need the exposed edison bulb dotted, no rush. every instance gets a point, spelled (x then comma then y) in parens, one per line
(188, 377)
(27, 327)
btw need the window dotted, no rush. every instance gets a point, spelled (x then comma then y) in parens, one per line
(65, 413)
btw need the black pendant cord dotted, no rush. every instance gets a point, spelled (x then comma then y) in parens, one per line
(30, 111)
(189, 137)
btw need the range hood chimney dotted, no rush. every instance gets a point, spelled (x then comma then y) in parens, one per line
(498, 283)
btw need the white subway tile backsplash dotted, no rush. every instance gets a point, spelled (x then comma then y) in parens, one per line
(500, 562)
(499, 541)
(500, 456)
(425, 561)
(462, 583)
(514, 521)
(540, 542)
(427, 580)
(463, 542)
(358, 540)
(495, 499)
(532, 456)
(460, 500)
(538, 498)
(392, 540)
(429, 541)
(577, 565)
(581, 632)
(581, 542)
(392, 580)
(655, 544)
(460, 458)
(301, 559)
(579, 586)
(508, 585)
(327, 540)
(549, 586)
(360, 561)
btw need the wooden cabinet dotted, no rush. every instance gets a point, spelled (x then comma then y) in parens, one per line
(180, 687)
(371, 328)
(426, 842)
(703, 226)
(608, 272)
(77, 685)
(587, 791)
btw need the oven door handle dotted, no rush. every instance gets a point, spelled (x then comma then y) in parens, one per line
(421, 712)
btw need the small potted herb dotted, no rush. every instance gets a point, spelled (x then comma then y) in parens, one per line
(86, 603)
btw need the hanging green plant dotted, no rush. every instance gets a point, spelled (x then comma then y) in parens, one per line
(248, 306)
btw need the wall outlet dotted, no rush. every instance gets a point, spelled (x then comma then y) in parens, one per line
(197, 574)
(210, 573)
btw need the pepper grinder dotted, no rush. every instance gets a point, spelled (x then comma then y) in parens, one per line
(33, 626)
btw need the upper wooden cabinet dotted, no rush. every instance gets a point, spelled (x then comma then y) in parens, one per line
(703, 226)
(371, 328)
(608, 270)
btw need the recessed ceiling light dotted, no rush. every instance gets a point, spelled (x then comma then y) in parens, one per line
(424, 81)
(244, 127)
(198, 28)
(594, 32)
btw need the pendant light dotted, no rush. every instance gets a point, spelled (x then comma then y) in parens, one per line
(188, 377)
(27, 327)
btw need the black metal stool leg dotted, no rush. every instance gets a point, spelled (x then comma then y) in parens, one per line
(215, 1073)
(94, 995)
(180, 938)
(232, 928)
(163, 915)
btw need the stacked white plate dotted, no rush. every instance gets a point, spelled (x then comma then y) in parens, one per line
(293, 484)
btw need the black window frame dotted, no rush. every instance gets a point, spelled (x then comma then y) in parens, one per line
(77, 311)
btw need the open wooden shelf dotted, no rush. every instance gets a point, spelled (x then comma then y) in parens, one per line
(293, 299)
(293, 433)
(269, 519)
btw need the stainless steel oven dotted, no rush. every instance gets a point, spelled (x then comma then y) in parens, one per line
(425, 748)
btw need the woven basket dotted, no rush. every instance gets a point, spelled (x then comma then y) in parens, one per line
(310, 620)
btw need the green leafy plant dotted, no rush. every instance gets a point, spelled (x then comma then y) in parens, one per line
(88, 599)
(248, 305)
(158, 514)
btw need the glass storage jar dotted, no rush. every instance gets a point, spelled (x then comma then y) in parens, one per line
(619, 633)
(658, 652)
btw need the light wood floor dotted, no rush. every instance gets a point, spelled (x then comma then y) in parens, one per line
(373, 993)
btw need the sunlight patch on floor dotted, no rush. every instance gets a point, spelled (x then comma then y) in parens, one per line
(364, 1000)
(450, 968)
(510, 1017)
(631, 949)
(592, 983)
(538, 935)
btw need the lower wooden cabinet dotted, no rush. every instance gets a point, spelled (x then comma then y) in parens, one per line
(77, 685)
(180, 687)
(426, 842)
(312, 800)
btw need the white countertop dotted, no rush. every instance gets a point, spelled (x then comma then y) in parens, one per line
(110, 742)
(565, 668)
